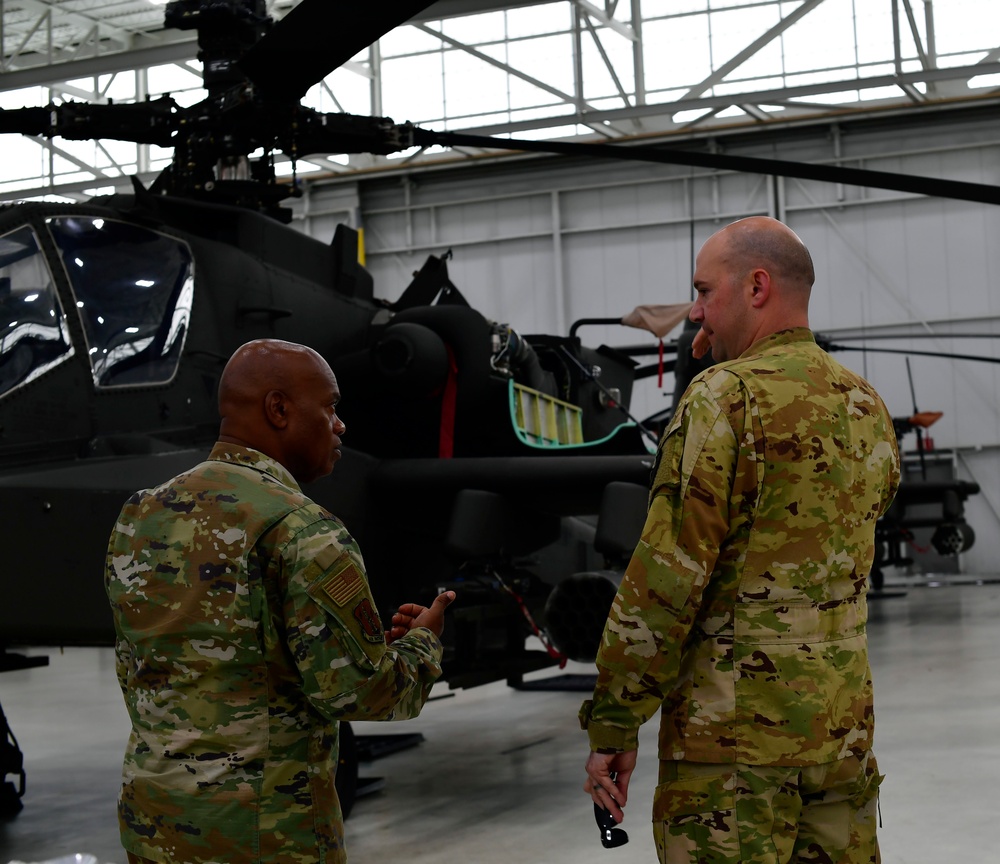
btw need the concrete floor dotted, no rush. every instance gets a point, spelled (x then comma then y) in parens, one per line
(498, 777)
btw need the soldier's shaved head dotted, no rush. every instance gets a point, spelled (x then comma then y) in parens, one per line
(760, 241)
(271, 395)
(260, 366)
(753, 278)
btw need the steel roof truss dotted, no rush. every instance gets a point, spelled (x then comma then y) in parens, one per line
(605, 18)
(62, 15)
(739, 59)
(510, 70)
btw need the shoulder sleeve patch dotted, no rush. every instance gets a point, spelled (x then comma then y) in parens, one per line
(344, 580)
(371, 625)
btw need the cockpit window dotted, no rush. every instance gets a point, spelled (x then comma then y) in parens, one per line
(133, 289)
(33, 333)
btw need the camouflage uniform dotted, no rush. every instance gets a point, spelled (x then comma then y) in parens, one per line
(742, 612)
(245, 632)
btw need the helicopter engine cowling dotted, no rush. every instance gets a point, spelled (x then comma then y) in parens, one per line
(412, 358)
(576, 611)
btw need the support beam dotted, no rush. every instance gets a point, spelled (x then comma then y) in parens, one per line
(111, 159)
(578, 19)
(326, 89)
(638, 60)
(325, 164)
(735, 62)
(46, 144)
(510, 70)
(71, 92)
(375, 83)
(24, 42)
(897, 49)
(607, 60)
(992, 57)
(92, 38)
(77, 188)
(917, 41)
(931, 33)
(362, 69)
(179, 51)
(122, 35)
(761, 97)
(754, 111)
(621, 29)
(914, 95)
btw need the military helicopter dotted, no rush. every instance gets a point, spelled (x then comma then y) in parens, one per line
(478, 457)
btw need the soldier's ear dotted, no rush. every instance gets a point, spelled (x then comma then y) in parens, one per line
(276, 408)
(760, 286)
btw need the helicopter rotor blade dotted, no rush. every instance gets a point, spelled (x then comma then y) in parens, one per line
(932, 186)
(315, 38)
(152, 122)
(940, 354)
(26, 121)
(873, 338)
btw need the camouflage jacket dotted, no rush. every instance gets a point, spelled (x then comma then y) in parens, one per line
(245, 632)
(742, 612)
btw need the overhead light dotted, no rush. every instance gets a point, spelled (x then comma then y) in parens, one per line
(145, 283)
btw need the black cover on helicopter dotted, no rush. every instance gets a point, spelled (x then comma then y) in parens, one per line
(473, 451)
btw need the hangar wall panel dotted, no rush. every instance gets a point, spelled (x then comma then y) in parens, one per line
(540, 242)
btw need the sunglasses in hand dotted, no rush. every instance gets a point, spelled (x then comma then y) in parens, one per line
(611, 835)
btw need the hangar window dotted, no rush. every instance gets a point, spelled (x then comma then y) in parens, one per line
(133, 289)
(33, 334)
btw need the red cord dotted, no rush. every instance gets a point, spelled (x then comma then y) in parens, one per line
(552, 651)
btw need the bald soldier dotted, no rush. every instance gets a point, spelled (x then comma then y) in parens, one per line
(246, 630)
(741, 616)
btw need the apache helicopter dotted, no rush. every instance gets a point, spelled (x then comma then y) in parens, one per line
(476, 456)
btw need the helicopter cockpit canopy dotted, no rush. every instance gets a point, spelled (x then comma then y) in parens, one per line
(33, 333)
(132, 288)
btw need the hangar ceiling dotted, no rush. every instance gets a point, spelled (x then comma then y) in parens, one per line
(598, 69)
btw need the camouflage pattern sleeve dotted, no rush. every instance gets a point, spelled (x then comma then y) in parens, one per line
(664, 585)
(336, 638)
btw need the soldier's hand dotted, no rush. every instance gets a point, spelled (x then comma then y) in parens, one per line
(411, 615)
(610, 794)
(402, 621)
(700, 344)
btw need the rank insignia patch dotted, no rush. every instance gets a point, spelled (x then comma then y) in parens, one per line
(343, 583)
(368, 618)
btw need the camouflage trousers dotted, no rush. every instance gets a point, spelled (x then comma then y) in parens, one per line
(753, 814)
